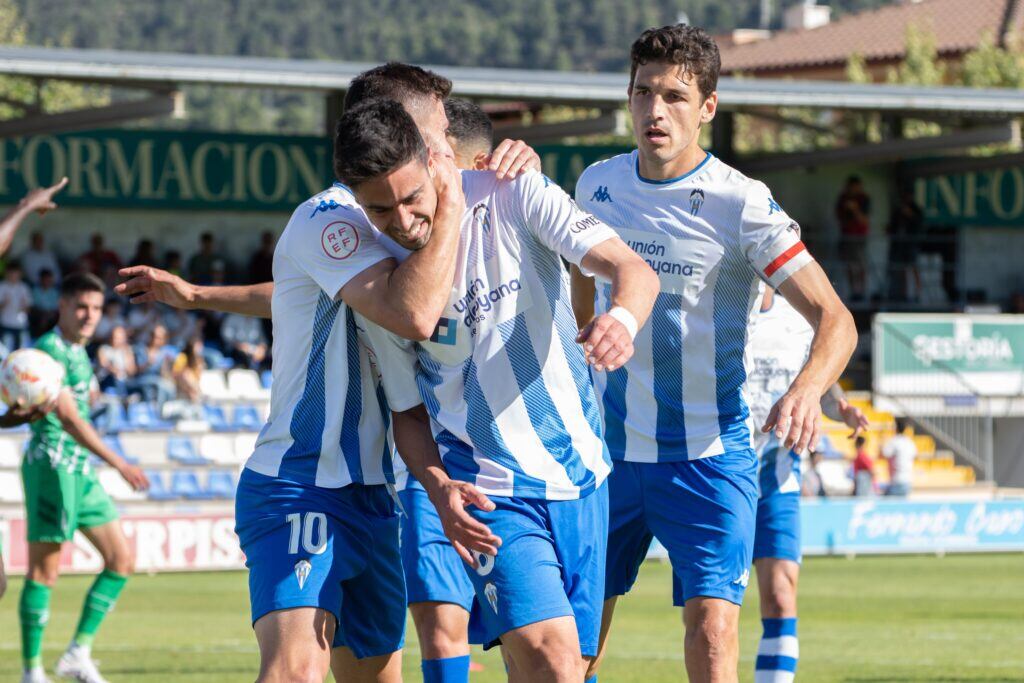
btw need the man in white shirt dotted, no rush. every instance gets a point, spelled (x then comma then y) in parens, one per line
(900, 451)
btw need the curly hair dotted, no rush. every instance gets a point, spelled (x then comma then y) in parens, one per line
(681, 44)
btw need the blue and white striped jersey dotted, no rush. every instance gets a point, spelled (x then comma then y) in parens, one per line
(712, 236)
(328, 417)
(511, 404)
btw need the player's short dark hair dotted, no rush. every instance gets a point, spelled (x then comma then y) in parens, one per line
(468, 123)
(860, 441)
(80, 283)
(373, 139)
(688, 46)
(901, 424)
(396, 81)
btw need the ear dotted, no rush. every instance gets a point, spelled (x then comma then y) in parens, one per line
(480, 161)
(709, 108)
(431, 165)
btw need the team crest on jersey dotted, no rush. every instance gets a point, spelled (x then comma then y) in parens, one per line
(491, 592)
(482, 222)
(794, 227)
(696, 201)
(302, 569)
(446, 332)
(339, 240)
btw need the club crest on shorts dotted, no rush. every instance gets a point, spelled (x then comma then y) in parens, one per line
(491, 591)
(302, 569)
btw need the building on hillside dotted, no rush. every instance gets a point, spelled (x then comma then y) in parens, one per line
(810, 46)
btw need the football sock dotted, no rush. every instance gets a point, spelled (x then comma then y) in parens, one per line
(98, 602)
(592, 679)
(448, 670)
(33, 613)
(778, 652)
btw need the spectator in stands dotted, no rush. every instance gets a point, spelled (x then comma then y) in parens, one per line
(900, 452)
(112, 317)
(142, 319)
(852, 210)
(99, 260)
(244, 341)
(203, 263)
(172, 264)
(39, 258)
(188, 368)
(261, 265)
(145, 254)
(45, 296)
(116, 362)
(154, 360)
(15, 302)
(863, 470)
(811, 483)
(181, 326)
(906, 228)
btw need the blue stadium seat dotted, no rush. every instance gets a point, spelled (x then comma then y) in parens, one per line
(181, 449)
(215, 416)
(266, 378)
(157, 487)
(113, 442)
(246, 418)
(220, 484)
(185, 484)
(143, 415)
(113, 419)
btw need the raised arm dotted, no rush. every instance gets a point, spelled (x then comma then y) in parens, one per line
(145, 284)
(39, 200)
(608, 338)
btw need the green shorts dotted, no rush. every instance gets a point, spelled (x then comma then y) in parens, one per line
(58, 502)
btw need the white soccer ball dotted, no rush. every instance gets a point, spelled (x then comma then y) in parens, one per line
(29, 378)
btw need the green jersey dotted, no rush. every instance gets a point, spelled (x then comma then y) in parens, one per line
(49, 440)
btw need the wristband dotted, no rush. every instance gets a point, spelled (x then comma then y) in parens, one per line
(626, 318)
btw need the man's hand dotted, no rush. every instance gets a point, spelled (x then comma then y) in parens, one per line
(448, 183)
(145, 284)
(854, 418)
(606, 343)
(19, 415)
(40, 199)
(796, 418)
(134, 475)
(466, 534)
(511, 158)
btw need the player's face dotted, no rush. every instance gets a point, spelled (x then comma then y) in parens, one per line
(667, 110)
(401, 204)
(80, 314)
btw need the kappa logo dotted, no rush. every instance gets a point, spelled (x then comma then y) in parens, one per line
(601, 195)
(696, 201)
(446, 332)
(743, 580)
(491, 592)
(325, 206)
(484, 563)
(302, 569)
(773, 206)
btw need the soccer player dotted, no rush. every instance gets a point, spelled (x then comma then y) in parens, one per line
(676, 419)
(39, 200)
(505, 385)
(321, 439)
(780, 341)
(63, 494)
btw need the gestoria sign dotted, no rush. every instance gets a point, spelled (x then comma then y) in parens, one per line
(948, 354)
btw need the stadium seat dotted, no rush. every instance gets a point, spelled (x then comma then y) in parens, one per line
(215, 416)
(10, 453)
(158, 488)
(143, 415)
(245, 418)
(220, 485)
(266, 378)
(120, 490)
(218, 448)
(180, 449)
(245, 384)
(10, 488)
(113, 419)
(212, 385)
(185, 484)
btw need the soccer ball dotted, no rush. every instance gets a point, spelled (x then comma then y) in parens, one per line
(30, 378)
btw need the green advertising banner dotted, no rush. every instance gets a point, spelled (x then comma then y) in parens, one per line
(989, 197)
(188, 170)
(948, 354)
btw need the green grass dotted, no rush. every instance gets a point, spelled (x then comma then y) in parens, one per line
(955, 618)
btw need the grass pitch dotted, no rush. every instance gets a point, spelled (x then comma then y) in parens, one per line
(954, 618)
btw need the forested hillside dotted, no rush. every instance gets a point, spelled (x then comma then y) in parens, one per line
(591, 35)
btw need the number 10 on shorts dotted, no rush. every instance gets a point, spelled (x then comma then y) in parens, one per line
(305, 527)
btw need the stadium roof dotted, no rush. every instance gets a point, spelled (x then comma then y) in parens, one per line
(167, 71)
